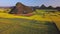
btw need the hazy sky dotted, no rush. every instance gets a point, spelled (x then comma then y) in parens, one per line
(30, 2)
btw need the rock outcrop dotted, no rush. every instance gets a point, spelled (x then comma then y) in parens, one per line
(21, 9)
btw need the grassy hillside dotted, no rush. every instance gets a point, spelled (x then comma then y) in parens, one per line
(41, 22)
(25, 26)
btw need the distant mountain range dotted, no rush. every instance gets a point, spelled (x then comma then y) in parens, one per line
(37, 7)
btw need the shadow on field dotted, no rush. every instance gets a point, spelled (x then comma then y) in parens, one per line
(25, 26)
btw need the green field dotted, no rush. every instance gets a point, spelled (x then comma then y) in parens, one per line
(24, 26)
(40, 23)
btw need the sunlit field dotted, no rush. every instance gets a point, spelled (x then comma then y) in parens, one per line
(39, 23)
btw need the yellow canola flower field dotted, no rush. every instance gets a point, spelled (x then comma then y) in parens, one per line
(34, 17)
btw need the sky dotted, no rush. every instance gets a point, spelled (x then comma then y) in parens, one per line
(53, 3)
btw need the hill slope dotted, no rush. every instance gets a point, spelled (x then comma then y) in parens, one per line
(25, 26)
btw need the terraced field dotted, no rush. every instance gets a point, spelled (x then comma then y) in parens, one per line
(24, 26)
(40, 23)
(55, 17)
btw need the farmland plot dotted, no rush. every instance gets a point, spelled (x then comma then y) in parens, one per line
(40, 23)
